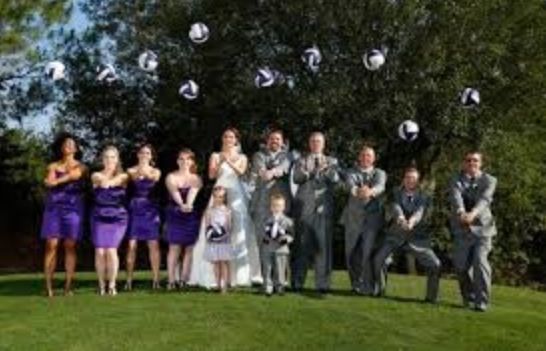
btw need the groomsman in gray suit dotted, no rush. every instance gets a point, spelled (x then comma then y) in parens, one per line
(363, 219)
(269, 173)
(316, 174)
(409, 231)
(473, 227)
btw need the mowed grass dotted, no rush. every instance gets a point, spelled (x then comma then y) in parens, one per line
(246, 320)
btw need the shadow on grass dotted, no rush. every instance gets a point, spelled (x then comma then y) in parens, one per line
(349, 293)
(420, 301)
(35, 287)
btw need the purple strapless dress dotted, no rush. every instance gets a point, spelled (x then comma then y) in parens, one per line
(144, 212)
(182, 228)
(109, 217)
(63, 212)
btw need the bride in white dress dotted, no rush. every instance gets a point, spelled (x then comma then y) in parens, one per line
(227, 167)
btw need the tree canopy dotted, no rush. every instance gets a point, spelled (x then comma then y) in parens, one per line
(434, 49)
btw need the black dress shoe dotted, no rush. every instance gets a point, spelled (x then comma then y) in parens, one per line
(480, 307)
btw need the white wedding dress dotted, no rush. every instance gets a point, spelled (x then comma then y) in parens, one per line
(245, 264)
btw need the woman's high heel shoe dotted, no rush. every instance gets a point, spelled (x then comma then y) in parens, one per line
(128, 285)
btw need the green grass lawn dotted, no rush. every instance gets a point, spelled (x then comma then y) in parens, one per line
(244, 320)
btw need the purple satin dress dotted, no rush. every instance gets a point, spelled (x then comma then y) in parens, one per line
(182, 228)
(109, 217)
(144, 212)
(63, 212)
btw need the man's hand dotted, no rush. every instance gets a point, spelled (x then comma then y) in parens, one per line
(403, 223)
(323, 163)
(411, 223)
(466, 219)
(266, 175)
(365, 192)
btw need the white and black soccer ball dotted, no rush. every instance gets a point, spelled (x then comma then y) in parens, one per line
(199, 33)
(215, 233)
(265, 78)
(106, 73)
(408, 130)
(273, 231)
(55, 70)
(189, 90)
(470, 97)
(312, 57)
(373, 60)
(148, 61)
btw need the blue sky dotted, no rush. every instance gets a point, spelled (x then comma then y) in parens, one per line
(42, 121)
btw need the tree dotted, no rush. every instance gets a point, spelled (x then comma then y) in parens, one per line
(22, 25)
(433, 49)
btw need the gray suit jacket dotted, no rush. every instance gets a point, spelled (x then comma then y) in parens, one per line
(358, 212)
(284, 235)
(315, 193)
(419, 207)
(264, 159)
(476, 195)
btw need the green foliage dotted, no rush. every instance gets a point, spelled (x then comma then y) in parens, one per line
(22, 171)
(22, 21)
(434, 50)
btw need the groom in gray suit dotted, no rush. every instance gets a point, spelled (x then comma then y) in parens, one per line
(269, 174)
(316, 174)
(473, 227)
(363, 219)
(409, 231)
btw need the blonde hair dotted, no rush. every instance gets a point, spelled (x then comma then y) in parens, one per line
(119, 167)
(191, 154)
(276, 197)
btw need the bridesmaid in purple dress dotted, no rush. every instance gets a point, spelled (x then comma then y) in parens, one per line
(109, 218)
(144, 214)
(63, 212)
(182, 219)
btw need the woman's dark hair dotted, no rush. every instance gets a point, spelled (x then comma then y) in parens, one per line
(149, 146)
(235, 132)
(57, 146)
